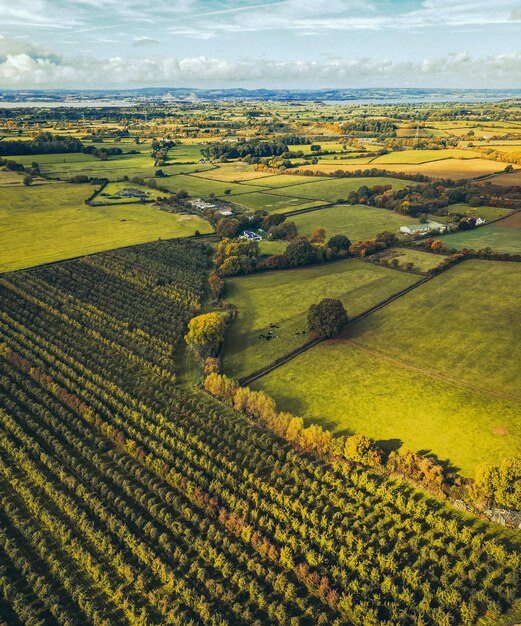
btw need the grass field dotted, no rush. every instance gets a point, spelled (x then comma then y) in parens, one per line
(423, 156)
(283, 298)
(199, 186)
(422, 261)
(496, 236)
(109, 193)
(233, 172)
(355, 221)
(51, 222)
(486, 212)
(65, 166)
(185, 152)
(273, 203)
(331, 189)
(416, 377)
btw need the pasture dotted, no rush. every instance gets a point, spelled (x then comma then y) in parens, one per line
(433, 370)
(273, 203)
(65, 166)
(421, 261)
(198, 186)
(282, 299)
(356, 221)
(110, 194)
(486, 212)
(332, 189)
(498, 236)
(51, 222)
(233, 172)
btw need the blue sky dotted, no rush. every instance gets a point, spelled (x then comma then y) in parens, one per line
(276, 43)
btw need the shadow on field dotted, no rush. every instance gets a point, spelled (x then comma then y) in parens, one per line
(389, 445)
(445, 463)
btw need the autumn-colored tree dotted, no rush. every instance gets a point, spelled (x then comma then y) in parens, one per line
(236, 256)
(361, 449)
(318, 235)
(500, 484)
(216, 285)
(437, 245)
(220, 386)
(205, 333)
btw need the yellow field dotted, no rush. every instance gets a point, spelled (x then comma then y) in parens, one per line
(446, 168)
(508, 179)
(424, 156)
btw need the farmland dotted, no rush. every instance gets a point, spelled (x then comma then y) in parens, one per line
(51, 223)
(144, 479)
(423, 156)
(410, 361)
(355, 221)
(330, 190)
(496, 236)
(97, 495)
(277, 302)
(457, 169)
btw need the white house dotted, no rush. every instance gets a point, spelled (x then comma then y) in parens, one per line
(250, 235)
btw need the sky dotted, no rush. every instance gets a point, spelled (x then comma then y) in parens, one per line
(254, 44)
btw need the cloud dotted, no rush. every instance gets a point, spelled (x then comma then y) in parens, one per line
(318, 16)
(144, 41)
(25, 69)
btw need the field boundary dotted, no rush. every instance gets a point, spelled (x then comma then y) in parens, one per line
(249, 378)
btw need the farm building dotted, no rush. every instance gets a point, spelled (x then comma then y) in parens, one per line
(423, 229)
(200, 204)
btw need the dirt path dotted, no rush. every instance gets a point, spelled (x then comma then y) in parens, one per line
(457, 382)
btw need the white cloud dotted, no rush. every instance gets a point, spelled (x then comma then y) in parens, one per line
(25, 69)
(144, 41)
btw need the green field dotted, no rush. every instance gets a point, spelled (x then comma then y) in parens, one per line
(51, 222)
(418, 370)
(283, 298)
(185, 152)
(355, 221)
(273, 203)
(65, 166)
(331, 189)
(493, 236)
(486, 212)
(198, 186)
(422, 261)
(109, 194)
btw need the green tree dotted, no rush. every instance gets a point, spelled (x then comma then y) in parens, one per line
(339, 244)
(327, 318)
(299, 252)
